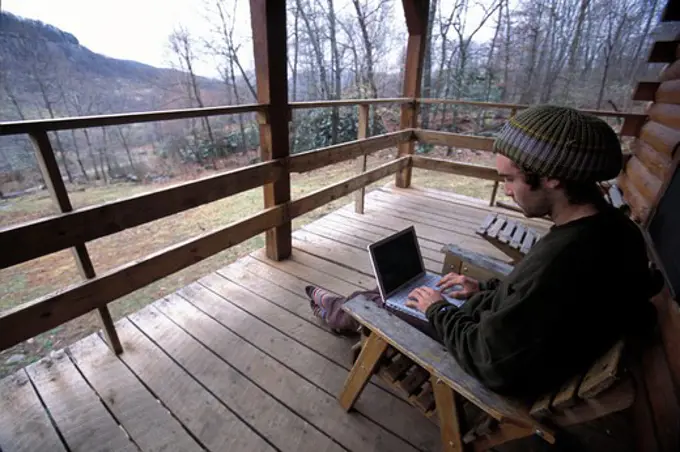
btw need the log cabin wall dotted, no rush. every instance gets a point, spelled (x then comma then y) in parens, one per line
(657, 409)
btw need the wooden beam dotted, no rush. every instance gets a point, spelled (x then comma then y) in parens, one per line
(28, 319)
(55, 184)
(268, 21)
(325, 195)
(347, 102)
(670, 72)
(450, 414)
(48, 235)
(454, 140)
(644, 180)
(362, 371)
(318, 158)
(84, 122)
(362, 133)
(646, 90)
(462, 169)
(631, 126)
(669, 92)
(666, 114)
(416, 12)
(666, 39)
(662, 138)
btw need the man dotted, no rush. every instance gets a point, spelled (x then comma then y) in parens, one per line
(583, 286)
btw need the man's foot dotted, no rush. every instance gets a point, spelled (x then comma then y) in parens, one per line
(318, 298)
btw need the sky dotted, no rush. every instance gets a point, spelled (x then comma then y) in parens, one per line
(126, 29)
(138, 29)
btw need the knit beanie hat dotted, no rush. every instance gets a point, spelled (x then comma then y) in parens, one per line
(562, 143)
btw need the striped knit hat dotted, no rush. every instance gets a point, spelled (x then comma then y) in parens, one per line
(562, 143)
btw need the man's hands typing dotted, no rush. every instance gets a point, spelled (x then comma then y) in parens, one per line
(469, 285)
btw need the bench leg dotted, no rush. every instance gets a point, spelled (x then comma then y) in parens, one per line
(362, 370)
(451, 416)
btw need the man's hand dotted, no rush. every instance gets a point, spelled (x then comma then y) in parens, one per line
(470, 286)
(422, 298)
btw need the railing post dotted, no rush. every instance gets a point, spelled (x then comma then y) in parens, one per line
(416, 23)
(268, 21)
(55, 185)
(362, 132)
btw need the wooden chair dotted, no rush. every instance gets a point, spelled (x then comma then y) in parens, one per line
(429, 377)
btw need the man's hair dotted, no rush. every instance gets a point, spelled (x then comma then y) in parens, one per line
(576, 192)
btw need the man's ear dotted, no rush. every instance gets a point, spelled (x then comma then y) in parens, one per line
(551, 183)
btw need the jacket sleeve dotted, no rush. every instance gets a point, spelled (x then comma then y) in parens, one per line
(496, 346)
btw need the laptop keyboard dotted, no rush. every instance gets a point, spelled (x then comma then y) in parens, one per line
(429, 280)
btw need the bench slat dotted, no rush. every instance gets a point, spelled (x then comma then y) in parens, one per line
(488, 221)
(506, 234)
(496, 227)
(518, 236)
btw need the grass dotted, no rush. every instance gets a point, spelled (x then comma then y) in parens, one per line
(38, 277)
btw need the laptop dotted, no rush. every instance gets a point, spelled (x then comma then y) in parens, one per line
(399, 268)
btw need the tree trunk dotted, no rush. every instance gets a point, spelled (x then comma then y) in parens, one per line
(506, 63)
(124, 142)
(316, 47)
(571, 65)
(368, 46)
(78, 159)
(335, 118)
(97, 176)
(427, 68)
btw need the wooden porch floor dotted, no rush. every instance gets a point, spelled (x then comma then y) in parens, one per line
(236, 361)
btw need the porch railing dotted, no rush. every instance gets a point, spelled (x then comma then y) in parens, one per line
(73, 228)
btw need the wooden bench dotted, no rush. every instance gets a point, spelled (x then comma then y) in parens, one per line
(423, 371)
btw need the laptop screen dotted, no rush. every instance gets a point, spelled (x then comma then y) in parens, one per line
(397, 261)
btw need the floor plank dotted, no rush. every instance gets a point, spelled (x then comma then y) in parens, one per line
(435, 234)
(302, 331)
(360, 222)
(287, 293)
(430, 257)
(299, 276)
(211, 422)
(80, 416)
(472, 207)
(24, 423)
(270, 418)
(450, 214)
(149, 424)
(345, 254)
(331, 268)
(308, 401)
(399, 211)
(442, 209)
(326, 374)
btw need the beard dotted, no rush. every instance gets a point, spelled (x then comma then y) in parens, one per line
(535, 206)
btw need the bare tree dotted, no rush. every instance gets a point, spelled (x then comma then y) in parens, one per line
(182, 45)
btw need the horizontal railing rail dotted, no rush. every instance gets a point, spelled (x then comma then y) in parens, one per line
(84, 122)
(57, 232)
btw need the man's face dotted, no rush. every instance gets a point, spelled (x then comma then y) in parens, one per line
(534, 202)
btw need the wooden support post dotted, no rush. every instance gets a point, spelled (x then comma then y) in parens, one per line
(416, 22)
(494, 191)
(362, 133)
(268, 21)
(55, 185)
(451, 415)
(362, 370)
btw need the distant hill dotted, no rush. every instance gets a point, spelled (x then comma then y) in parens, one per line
(41, 64)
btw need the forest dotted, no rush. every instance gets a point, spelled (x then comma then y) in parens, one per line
(581, 53)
